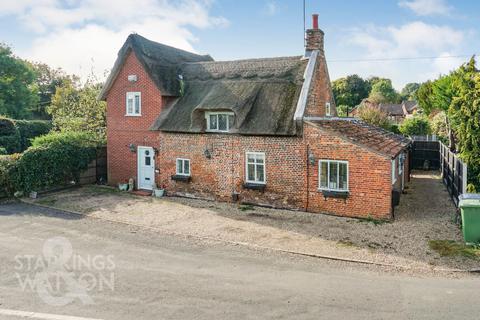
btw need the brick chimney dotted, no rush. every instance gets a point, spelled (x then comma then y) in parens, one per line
(314, 37)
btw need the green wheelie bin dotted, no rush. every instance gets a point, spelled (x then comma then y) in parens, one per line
(470, 209)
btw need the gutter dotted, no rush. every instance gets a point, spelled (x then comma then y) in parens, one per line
(307, 76)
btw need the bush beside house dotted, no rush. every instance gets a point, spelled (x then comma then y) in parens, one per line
(15, 135)
(53, 159)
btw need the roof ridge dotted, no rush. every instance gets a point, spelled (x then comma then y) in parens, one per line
(247, 60)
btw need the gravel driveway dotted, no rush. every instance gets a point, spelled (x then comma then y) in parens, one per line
(425, 213)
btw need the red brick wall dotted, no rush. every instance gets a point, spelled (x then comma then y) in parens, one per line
(369, 177)
(224, 173)
(320, 91)
(124, 130)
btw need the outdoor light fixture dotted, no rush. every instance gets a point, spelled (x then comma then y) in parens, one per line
(132, 147)
(311, 158)
(207, 153)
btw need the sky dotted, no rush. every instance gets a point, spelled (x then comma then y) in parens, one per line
(404, 40)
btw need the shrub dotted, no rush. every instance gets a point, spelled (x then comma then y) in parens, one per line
(3, 151)
(374, 116)
(7, 171)
(7, 127)
(30, 129)
(54, 159)
(415, 126)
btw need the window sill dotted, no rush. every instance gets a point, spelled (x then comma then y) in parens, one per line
(133, 115)
(335, 194)
(179, 177)
(254, 186)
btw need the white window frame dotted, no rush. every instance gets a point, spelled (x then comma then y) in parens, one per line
(328, 109)
(132, 95)
(328, 161)
(255, 173)
(228, 114)
(394, 174)
(401, 162)
(183, 160)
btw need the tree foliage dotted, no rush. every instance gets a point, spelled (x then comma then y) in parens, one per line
(383, 92)
(47, 80)
(415, 126)
(350, 91)
(17, 85)
(409, 91)
(78, 109)
(374, 116)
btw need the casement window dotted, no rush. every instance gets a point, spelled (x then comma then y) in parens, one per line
(255, 167)
(328, 109)
(219, 121)
(400, 163)
(333, 175)
(394, 174)
(183, 167)
(134, 104)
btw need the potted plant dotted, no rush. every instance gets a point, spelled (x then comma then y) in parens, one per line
(123, 186)
(159, 192)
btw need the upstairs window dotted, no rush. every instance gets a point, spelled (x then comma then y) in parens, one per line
(183, 167)
(328, 109)
(333, 175)
(255, 167)
(219, 121)
(134, 104)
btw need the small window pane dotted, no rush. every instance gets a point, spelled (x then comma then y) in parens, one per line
(148, 160)
(251, 172)
(343, 176)
(186, 166)
(179, 166)
(222, 122)
(333, 183)
(137, 104)
(251, 158)
(324, 174)
(230, 121)
(213, 122)
(260, 173)
(129, 105)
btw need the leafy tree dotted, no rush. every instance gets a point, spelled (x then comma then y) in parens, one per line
(464, 112)
(374, 116)
(78, 109)
(415, 126)
(350, 91)
(383, 92)
(424, 96)
(47, 80)
(17, 85)
(409, 91)
(439, 125)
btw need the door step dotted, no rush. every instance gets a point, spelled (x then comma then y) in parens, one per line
(144, 193)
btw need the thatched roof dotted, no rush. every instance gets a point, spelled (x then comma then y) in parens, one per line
(358, 132)
(160, 61)
(261, 92)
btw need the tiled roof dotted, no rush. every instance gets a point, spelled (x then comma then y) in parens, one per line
(392, 109)
(363, 134)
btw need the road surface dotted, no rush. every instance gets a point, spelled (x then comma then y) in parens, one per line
(158, 276)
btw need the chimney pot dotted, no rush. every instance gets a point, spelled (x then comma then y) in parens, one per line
(315, 21)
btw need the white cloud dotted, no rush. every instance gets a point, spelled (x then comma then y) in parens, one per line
(392, 51)
(271, 8)
(427, 7)
(82, 36)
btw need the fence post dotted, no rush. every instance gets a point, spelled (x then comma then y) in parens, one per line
(464, 178)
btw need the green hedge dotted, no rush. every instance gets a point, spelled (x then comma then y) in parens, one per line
(15, 135)
(30, 129)
(54, 159)
(7, 172)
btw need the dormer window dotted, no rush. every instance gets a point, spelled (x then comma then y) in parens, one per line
(219, 121)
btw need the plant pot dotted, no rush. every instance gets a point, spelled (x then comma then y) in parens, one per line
(123, 186)
(158, 193)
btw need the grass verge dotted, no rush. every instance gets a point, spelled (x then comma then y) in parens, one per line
(450, 248)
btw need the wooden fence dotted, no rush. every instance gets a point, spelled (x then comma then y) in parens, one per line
(454, 173)
(425, 154)
(97, 169)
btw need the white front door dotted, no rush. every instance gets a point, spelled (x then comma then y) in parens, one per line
(146, 168)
